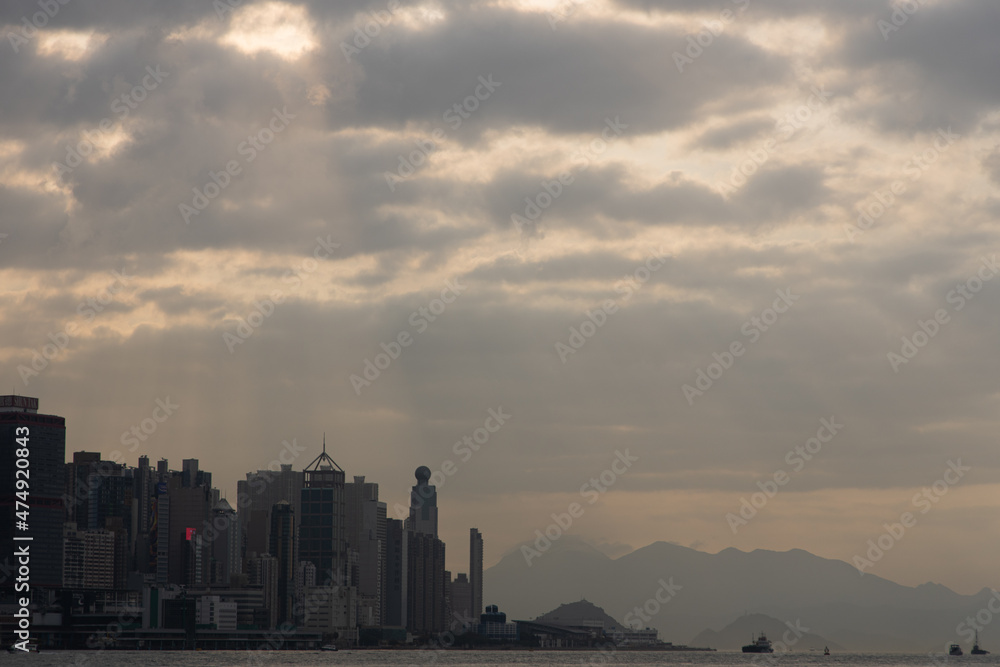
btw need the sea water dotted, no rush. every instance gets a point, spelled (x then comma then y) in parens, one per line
(461, 658)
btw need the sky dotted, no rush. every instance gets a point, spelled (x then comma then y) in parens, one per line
(704, 249)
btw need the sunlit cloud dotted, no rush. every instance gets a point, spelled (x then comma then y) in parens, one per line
(275, 27)
(67, 44)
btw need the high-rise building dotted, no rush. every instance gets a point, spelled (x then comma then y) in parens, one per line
(190, 505)
(44, 436)
(144, 493)
(394, 579)
(427, 585)
(77, 498)
(225, 538)
(256, 495)
(366, 518)
(99, 497)
(461, 600)
(423, 504)
(476, 571)
(332, 604)
(322, 538)
(305, 579)
(159, 533)
(426, 609)
(88, 558)
(262, 571)
(283, 549)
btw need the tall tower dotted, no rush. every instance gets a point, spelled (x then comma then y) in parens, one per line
(423, 504)
(394, 574)
(425, 577)
(44, 436)
(322, 535)
(283, 549)
(476, 570)
(366, 537)
(257, 494)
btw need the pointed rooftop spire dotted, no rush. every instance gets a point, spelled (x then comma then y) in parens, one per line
(323, 461)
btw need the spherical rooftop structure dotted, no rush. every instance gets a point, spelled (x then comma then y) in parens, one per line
(423, 473)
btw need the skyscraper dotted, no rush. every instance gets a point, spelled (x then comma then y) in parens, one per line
(257, 494)
(423, 504)
(322, 541)
(322, 527)
(426, 598)
(366, 518)
(224, 534)
(461, 600)
(283, 549)
(44, 436)
(426, 581)
(476, 570)
(190, 509)
(394, 580)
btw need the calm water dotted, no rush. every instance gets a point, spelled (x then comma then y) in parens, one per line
(470, 658)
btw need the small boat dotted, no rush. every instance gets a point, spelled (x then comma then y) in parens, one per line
(826, 650)
(954, 649)
(328, 647)
(975, 647)
(759, 645)
(31, 647)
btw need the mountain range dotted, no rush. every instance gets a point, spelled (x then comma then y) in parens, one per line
(829, 597)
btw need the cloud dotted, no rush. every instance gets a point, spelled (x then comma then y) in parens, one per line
(346, 193)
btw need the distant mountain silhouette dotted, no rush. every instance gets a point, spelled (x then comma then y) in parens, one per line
(858, 613)
(576, 613)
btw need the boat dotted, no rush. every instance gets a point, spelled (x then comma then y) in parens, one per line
(954, 649)
(759, 645)
(975, 647)
(826, 650)
(31, 646)
(328, 647)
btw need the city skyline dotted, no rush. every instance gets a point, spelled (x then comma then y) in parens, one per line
(722, 274)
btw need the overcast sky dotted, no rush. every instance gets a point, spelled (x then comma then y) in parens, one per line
(282, 186)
